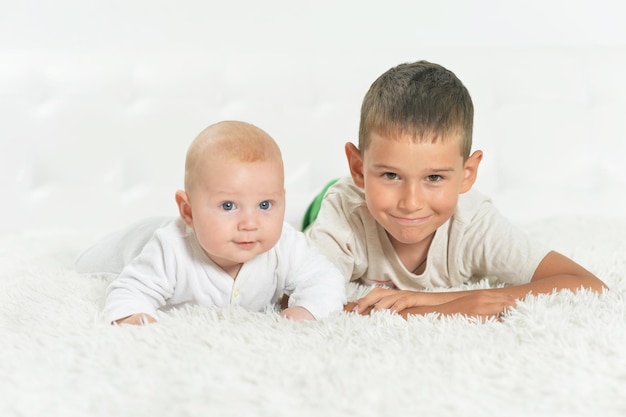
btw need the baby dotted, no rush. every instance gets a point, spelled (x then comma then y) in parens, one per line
(230, 244)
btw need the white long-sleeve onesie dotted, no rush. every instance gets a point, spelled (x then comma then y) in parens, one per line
(160, 263)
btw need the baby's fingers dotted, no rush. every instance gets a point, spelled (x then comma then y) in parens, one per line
(136, 319)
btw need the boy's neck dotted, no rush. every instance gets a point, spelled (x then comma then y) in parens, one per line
(412, 255)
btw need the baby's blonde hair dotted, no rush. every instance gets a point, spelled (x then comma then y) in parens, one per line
(231, 140)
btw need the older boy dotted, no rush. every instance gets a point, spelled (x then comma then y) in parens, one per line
(408, 217)
(229, 245)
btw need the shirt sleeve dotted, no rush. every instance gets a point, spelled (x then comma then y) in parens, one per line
(145, 284)
(311, 280)
(111, 253)
(494, 248)
(340, 236)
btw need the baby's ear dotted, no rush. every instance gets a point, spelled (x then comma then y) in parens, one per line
(184, 207)
(470, 170)
(355, 162)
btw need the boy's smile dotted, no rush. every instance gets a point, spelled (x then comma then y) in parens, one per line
(412, 188)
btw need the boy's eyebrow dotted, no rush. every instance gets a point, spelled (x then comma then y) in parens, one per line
(390, 168)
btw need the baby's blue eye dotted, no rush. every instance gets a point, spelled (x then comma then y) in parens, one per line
(228, 206)
(265, 205)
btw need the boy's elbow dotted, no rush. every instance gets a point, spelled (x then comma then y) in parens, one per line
(595, 284)
(564, 273)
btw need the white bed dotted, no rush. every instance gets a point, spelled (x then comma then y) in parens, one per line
(99, 103)
(561, 354)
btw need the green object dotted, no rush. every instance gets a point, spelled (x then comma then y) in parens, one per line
(314, 208)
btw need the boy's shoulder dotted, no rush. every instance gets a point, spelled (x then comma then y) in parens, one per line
(472, 205)
(474, 199)
(347, 192)
(348, 201)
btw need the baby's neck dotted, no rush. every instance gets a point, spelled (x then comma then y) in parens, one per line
(233, 271)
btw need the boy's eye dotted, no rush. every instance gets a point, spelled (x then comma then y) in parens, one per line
(434, 178)
(228, 206)
(391, 175)
(265, 205)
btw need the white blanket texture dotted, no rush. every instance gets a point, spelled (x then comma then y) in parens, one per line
(562, 354)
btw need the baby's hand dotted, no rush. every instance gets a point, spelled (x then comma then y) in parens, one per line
(297, 313)
(137, 319)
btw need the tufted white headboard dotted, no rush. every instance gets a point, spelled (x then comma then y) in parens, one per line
(98, 102)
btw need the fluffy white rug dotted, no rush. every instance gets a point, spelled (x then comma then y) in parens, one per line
(556, 355)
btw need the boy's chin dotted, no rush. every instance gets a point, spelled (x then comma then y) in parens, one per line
(408, 237)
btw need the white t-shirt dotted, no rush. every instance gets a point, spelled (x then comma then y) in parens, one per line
(159, 262)
(476, 242)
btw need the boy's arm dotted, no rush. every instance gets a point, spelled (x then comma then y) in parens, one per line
(554, 273)
(558, 272)
(477, 303)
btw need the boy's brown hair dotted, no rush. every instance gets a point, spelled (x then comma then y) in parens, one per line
(422, 99)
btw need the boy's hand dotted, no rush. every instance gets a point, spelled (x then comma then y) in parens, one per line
(396, 300)
(297, 313)
(474, 303)
(479, 304)
(352, 307)
(137, 319)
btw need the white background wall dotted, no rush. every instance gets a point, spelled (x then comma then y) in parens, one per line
(100, 99)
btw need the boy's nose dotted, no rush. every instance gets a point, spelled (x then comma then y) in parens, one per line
(412, 198)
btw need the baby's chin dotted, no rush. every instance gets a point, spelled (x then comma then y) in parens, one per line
(231, 261)
(238, 253)
(248, 253)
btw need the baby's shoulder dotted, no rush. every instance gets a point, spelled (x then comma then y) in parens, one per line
(171, 228)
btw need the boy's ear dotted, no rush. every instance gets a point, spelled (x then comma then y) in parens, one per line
(355, 162)
(184, 207)
(470, 170)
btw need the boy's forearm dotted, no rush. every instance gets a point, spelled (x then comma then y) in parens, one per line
(540, 286)
(421, 310)
(494, 301)
(554, 283)
(476, 302)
